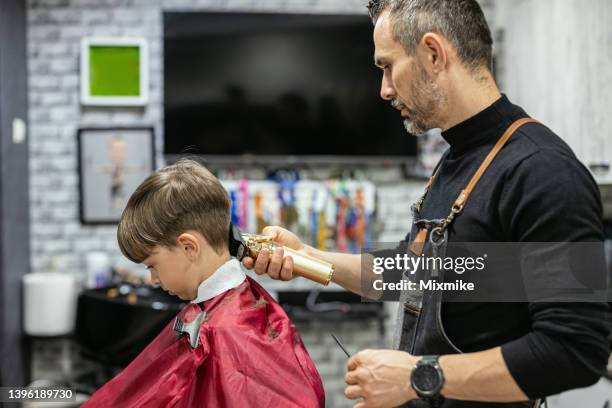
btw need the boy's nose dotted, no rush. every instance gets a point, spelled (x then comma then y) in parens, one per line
(155, 279)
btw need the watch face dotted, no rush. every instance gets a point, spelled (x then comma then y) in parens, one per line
(426, 378)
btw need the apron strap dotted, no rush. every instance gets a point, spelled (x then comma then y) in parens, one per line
(465, 193)
(419, 202)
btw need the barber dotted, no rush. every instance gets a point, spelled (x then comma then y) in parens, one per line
(436, 62)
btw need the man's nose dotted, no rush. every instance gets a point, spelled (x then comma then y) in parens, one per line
(387, 92)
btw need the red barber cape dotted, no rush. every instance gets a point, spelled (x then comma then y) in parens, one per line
(249, 355)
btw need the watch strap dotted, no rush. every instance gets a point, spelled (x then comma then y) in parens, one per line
(429, 360)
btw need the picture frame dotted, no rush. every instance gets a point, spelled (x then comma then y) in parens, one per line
(112, 162)
(114, 71)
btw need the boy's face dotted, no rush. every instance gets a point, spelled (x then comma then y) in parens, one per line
(180, 270)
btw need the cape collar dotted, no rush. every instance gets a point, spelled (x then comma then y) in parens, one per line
(230, 275)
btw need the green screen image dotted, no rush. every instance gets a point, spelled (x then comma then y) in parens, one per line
(114, 71)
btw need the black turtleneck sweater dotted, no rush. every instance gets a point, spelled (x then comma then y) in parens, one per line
(535, 190)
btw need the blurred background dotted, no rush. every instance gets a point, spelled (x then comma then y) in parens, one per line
(280, 99)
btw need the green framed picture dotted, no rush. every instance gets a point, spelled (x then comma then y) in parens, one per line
(114, 71)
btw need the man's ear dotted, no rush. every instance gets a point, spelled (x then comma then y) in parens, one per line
(434, 51)
(189, 245)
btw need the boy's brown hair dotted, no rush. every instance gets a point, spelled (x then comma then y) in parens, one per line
(183, 196)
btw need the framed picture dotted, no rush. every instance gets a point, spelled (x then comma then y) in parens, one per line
(114, 71)
(112, 163)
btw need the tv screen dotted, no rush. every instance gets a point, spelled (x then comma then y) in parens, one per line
(276, 85)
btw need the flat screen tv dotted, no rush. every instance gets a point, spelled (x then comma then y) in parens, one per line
(276, 85)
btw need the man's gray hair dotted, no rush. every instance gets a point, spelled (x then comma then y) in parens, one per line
(462, 22)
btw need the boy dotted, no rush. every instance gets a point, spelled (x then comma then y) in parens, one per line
(242, 350)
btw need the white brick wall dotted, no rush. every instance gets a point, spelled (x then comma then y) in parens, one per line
(55, 28)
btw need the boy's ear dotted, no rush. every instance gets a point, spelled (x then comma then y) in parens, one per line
(189, 245)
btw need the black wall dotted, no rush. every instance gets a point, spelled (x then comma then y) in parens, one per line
(14, 203)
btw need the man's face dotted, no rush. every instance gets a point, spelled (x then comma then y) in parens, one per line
(117, 151)
(406, 82)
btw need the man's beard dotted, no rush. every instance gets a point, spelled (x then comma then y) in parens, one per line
(428, 100)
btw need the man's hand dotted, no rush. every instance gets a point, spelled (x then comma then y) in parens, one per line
(277, 266)
(380, 377)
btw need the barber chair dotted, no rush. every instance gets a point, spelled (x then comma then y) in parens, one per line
(114, 324)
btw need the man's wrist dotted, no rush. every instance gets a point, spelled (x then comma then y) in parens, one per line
(443, 361)
(479, 376)
(308, 250)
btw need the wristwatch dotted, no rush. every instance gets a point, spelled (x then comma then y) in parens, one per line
(427, 378)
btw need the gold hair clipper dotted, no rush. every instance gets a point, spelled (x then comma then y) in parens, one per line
(243, 244)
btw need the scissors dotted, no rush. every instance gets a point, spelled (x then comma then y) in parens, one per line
(340, 344)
